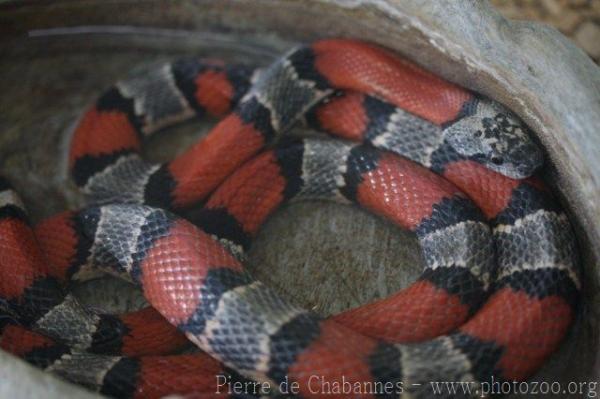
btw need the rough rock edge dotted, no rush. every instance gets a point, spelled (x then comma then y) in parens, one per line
(34, 383)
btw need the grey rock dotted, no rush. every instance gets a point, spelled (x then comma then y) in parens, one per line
(20, 380)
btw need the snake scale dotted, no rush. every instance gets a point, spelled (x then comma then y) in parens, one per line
(495, 299)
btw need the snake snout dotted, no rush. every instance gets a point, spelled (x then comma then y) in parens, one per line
(519, 163)
(494, 136)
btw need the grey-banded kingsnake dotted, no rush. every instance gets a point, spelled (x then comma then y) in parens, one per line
(495, 299)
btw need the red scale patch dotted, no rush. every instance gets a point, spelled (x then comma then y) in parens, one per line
(201, 168)
(528, 328)
(214, 92)
(336, 355)
(420, 312)
(58, 240)
(184, 374)
(402, 191)
(150, 334)
(491, 191)
(174, 270)
(344, 116)
(20, 342)
(251, 204)
(358, 66)
(21, 261)
(103, 133)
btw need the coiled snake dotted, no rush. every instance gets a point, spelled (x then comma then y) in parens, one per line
(495, 299)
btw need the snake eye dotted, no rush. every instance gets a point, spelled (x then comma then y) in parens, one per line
(497, 160)
(478, 133)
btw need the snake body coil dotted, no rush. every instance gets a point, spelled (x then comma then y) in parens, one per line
(495, 298)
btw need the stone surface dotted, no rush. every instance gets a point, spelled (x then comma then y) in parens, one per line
(568, 16)
(20, 380)
(551, 84)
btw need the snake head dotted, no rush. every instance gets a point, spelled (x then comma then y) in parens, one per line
(492, 135)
